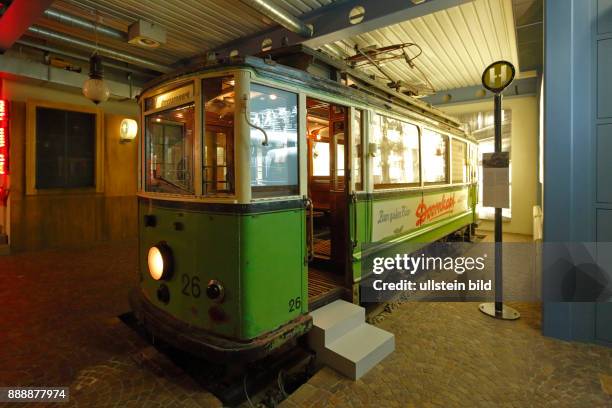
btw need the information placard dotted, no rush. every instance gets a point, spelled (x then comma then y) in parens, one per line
(496, 180)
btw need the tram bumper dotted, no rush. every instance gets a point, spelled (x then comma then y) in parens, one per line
(204, 344)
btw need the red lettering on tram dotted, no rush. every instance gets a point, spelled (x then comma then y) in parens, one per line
(426, 213)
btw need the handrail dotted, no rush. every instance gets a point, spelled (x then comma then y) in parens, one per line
(354, 202)
(310, 228)
(245, 101)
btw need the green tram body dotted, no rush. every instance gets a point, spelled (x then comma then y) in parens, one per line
(257, 247)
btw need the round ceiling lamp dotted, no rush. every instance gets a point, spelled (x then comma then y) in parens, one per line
(94, 88)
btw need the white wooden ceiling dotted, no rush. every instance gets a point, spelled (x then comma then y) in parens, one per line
(192, 26)
(458, 44)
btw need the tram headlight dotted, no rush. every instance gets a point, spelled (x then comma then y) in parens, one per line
(160, 261)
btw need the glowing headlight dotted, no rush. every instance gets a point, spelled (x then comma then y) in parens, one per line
(160, 262)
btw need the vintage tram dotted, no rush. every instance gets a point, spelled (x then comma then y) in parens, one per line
(261, 182)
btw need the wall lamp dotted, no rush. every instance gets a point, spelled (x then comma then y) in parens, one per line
(128, 130)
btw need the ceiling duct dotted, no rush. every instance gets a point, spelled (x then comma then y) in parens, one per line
(52, 75)
(55, 50)
(117, 55)
(141, 33)
(274, 13)
(85, 24)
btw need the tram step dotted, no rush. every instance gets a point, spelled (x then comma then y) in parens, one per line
(333, 321)
(359, 350)
(345, 342)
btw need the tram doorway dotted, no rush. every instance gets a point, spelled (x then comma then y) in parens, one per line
(327, 230)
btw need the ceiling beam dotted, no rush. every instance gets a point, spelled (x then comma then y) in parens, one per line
(331, 23)
(520, 87)
(20, 15)
(335, 26)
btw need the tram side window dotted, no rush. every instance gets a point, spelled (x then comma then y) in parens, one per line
(434, 154)
(219, 105)
(396, 162)
(274, 168)
(459, 167)
(356, 141)
(169, 151)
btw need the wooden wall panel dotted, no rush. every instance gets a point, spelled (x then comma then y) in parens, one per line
(68, 219)
(121, 163)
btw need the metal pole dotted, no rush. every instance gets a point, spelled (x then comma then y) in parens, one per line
(499, 295)
(496, 77)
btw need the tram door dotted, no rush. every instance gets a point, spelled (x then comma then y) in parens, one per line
(327, 126)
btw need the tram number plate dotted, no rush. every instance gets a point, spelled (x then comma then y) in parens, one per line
(191, 286)
(295, 304)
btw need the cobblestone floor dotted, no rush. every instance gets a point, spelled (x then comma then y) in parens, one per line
(451, 355)
(59, 327)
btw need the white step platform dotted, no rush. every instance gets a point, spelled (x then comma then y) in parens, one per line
(345, 342)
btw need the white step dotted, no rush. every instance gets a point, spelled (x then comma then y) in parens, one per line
(332, 321)
(344, 342)
(359, 350)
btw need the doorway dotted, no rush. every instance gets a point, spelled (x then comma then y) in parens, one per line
(328, 246)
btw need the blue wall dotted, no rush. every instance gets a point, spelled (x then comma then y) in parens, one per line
(578, 146)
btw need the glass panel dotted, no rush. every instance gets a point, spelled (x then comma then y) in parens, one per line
(65, 149)
(219, 107)
(169, 151)
(320, 159)
(397, 152)
(274, 168)
(459, 167)
(356, 149)
(338, 123)
(340, 160)
(434, 157)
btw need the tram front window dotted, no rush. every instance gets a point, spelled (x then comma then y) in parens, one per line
(219, 105)
(169, 151)
(274, 167)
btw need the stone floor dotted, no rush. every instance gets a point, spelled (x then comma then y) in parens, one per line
(451, 355)
(59, 327)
